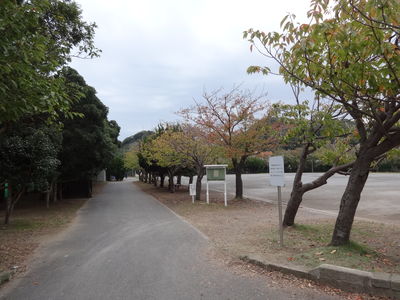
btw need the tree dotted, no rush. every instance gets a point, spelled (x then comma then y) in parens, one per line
(349, 52)
(36, 40)
(196, 151)
(89, 143)
(310, 128)
(116, 167)
(255, 165)
(162, 153)
(230, 120)
(28, 160)
(131, 160)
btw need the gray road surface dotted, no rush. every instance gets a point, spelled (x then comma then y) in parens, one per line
(126, 245)
(380, 199)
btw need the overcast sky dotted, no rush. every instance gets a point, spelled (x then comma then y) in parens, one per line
(160, 55)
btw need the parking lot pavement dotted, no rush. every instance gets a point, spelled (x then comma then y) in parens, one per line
(380, 199)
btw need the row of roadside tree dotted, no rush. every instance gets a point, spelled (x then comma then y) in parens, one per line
(348, 55)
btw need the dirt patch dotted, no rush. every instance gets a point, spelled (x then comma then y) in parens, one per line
(32, 224)
(251, 227)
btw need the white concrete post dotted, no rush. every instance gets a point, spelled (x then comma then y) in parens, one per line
(208, 196)
(225, 200)
(280, 217)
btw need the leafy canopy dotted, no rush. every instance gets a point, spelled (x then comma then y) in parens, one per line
(348, 52)
(232, 121)
(36, 41)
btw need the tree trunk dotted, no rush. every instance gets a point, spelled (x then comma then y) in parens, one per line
(238, 167)
(10, 203)
(349, 201)
(299, 189)
(200, 175)
(239, 185)
(155, 179)
(179, 179)
(54, 192)
(144, 176)
(89, 189)
(60, 191)
(296, 196)
(162, 178)
(48, 192)
(198, 187)
(171, 185)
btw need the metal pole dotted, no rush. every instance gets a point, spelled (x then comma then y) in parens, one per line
(280, 216)
(192, 199)
(226, 202)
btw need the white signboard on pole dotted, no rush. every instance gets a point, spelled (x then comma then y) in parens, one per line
(192, 191)
(277, 178)
(276, 171)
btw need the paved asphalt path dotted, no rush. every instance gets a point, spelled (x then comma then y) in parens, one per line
(126, 245)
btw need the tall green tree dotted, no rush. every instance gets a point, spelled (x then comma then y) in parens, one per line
(348, 52)
(116, 167)
(28, 160)
(89, 142)
(131, 160)
(37, 39)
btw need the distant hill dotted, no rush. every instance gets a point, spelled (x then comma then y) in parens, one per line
(134, 139)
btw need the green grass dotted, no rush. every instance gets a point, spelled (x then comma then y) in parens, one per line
(23, 224)
(352, 256)
(308, 245)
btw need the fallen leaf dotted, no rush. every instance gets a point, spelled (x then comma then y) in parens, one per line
(319, 253)
(322, 259)
(333, 251)
(290, 258)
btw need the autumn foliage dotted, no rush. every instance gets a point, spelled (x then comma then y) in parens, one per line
(238, 121)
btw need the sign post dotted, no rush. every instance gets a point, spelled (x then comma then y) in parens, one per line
(277, 178)
(192, 191)
(216, 173)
